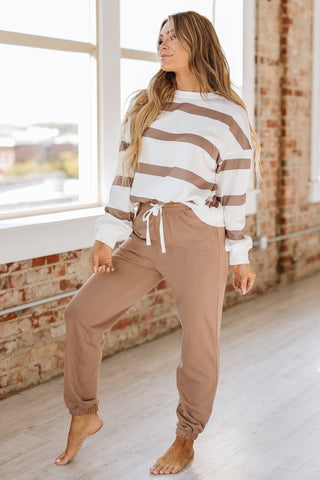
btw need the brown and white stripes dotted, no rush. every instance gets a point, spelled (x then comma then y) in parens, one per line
(198, 152)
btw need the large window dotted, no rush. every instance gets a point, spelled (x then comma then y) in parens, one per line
(48, 106)
(234, 22)
(315, 108)
(68, 68)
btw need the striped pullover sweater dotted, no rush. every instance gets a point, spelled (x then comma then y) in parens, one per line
(197, 152)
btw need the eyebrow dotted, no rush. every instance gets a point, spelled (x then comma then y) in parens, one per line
(168, 32)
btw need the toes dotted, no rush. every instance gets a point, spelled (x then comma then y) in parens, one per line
(155, 468)
(169, 469)
(155, 471)
(163, 469)
(62, 459)
(59, 460)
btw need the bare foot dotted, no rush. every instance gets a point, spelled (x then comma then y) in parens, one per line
(81, 427)
(175, 458)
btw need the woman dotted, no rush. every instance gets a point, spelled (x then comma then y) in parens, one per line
(178, 201)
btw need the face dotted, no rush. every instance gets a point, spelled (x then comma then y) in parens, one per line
(172, 55)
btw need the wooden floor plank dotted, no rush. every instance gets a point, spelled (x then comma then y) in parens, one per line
(265, 422)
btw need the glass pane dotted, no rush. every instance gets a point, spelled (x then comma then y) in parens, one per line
(47, 126)
(230, 33)
(135, 74)
(140, 32)
(71, 19)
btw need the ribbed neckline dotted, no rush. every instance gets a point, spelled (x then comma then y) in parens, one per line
(185, 94)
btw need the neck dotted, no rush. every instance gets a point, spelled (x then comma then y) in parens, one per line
(187, 82)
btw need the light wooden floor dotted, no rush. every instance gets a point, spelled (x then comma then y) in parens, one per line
(265, 423)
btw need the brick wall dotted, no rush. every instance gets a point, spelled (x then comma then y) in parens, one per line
(300, 255)
(32, 340)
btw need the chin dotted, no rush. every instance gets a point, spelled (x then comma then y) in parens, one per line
(167, 69)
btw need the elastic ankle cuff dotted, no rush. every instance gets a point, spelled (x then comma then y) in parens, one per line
(187, 435)
(83, 411)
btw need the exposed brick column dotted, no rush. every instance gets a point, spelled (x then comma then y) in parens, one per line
(294, 160)
(268, 27)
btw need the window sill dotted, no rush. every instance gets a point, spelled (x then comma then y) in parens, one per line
(314, 191)
(40, 235)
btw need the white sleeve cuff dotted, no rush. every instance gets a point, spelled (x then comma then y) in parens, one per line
(238, 250)
(110, 230)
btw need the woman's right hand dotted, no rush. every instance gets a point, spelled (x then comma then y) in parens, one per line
(100, 258)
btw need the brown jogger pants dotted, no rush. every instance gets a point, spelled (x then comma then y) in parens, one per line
(195, 265)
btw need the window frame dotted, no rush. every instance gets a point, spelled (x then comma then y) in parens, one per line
(14, 38)
(58, 232)
(55, 230)
(314, 182)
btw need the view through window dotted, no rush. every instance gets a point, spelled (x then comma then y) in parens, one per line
(47, 105)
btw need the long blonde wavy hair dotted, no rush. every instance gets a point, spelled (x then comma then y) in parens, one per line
(209, 65)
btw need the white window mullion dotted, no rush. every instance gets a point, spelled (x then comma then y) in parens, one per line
(51, 43)
(95, 133)
(109, 92)
(87, 151)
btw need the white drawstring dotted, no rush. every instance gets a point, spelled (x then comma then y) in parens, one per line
(156, 207)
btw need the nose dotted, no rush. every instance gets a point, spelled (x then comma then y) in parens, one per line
(163, 46)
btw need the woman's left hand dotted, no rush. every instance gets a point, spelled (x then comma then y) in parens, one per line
(244, 277)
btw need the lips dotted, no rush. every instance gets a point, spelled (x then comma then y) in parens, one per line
(165, 56)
